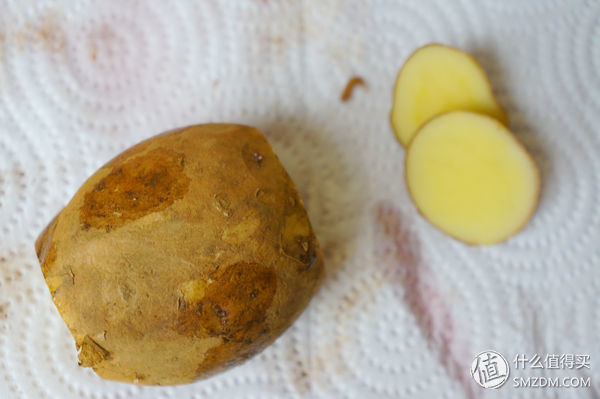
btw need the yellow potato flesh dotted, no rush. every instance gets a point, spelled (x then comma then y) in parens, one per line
(471, 178)
(438, 79)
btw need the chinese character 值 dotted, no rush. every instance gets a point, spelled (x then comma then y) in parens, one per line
(552, 361)
(489, 371)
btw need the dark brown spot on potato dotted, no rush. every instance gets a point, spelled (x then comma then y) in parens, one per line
(299, 242)
(142, 185)
(308, 255)
(231, 353)
(234, 305)
(220, 358)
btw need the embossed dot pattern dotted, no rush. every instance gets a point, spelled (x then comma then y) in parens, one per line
(399, 314)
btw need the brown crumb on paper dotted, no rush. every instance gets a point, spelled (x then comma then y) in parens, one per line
(93, 53)
(3, 311)
(352, 83)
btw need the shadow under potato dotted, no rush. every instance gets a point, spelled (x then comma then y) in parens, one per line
(330, 184)
(333, 186)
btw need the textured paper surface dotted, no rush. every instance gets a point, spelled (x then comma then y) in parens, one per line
(403, 309)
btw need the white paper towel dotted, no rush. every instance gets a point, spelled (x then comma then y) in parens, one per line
(403, 309)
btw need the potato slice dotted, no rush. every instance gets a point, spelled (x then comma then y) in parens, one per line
(437, 79)
(470, 177)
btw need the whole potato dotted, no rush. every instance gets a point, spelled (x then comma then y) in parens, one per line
(183, 256)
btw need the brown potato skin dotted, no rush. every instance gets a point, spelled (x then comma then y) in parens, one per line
(183, 256)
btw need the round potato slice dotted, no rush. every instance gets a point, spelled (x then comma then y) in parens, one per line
(437, 79)
(470, 177)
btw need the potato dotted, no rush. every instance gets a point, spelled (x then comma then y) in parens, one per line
(470, 177)
(437, 79)
(181, 257)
